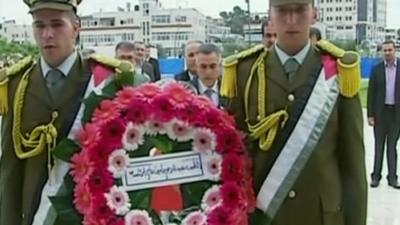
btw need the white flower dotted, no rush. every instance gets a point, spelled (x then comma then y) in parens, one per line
(211, 198)
(118, 200)
(133, 137)
(204, 140)
(178, 130)
(214, 166)
(153, 128)
(118, 163)
(195, 218)
(138, 217)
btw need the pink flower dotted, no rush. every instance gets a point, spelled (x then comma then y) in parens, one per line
(220, 216)
(82, 197)
(138, 111)
(163, 108)
(148, 91)
(138, 217)
(118, 163)
(211, 198)
(81, 167)
(118, 200)
(178, 130)
(189, 113)
(204, 140)
(88, 135)
(112, 132)
(214, 166)
(231, 195)
(229, 140)
(232, 167)
(203, 102)
(133, 137)
(180, 96)
(105, 112)
(124, 97)
(154, 127)
(195, 218)
(100, 181)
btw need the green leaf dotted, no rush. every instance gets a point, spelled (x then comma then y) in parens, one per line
(66, 149)
(143, 150)
(140, 199)
(66, 213)
(194, 192)
(91, 104)
(163, 143)
(183, 146)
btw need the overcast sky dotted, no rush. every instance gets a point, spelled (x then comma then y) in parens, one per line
(16, 9)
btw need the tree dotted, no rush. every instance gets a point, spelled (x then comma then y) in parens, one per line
(231, 46)
(235, 19)
(16, 50)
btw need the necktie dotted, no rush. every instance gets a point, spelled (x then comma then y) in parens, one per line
(209, 92)
(54, 82)
(291, 66)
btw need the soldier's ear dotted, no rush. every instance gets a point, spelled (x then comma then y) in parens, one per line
(314, 15)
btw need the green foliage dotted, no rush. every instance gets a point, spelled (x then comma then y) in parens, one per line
(235, 19)
(15, 50)
(231, 46)
(346, 44)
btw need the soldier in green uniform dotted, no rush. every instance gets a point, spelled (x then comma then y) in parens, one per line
(40, 100)
(299, 105)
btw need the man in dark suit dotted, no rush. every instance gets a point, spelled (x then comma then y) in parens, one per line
(207, 82)
(191, 49)
(141, 65)
(154, 62)
(384, 113)
(126, 51)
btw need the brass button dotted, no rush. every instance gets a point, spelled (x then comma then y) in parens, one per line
(258, 117)
(292, 194)
(291, 97)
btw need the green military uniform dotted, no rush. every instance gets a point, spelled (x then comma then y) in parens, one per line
(22, 179)
(331, 189)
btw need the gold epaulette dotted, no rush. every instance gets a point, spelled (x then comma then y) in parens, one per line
(348, 67)
(228, 86)
(5, 74)
(121, 68)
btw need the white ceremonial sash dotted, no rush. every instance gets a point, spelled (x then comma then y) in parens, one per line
(300, 144)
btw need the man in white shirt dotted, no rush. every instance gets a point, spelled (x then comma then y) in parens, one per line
(207, 82)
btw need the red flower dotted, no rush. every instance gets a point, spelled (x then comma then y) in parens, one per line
(88, 135)
(117, 221)
(81, 167)
(231, 195)
(106, 112)
(220, 216)
(100, 181)
(138, 111)
(82, 198)
(99, 154)
(124, 97)
(209, 118)
(229, 140)
(232, 167)
(163, 108)
(179, 95)
(100, 213)
(112, 132)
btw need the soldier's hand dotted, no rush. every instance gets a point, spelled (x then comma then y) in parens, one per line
(371, 121)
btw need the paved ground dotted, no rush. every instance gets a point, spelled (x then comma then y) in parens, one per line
(384, 202)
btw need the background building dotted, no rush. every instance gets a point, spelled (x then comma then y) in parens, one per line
(16, 32)
(354, 19)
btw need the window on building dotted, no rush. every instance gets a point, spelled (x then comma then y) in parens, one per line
(161, 19)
